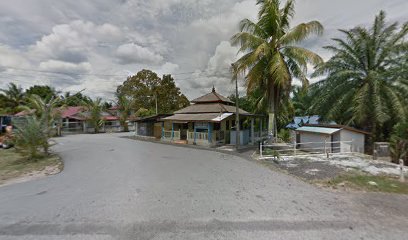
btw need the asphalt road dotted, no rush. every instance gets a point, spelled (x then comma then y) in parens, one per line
(117, 188)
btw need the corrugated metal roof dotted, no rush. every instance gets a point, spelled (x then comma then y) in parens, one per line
(208, 117)
(321, 130)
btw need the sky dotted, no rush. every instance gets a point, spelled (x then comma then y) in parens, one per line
(94, 45)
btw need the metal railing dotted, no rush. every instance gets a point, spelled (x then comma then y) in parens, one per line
(305, 149)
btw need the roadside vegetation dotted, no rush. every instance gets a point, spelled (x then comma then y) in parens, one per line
(15, 165)
(364, 84)
(364, 182)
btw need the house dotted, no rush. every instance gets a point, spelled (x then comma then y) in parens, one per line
(149, 126)
(330, 138)
(74, 120)
(299, 121)
(209, 121)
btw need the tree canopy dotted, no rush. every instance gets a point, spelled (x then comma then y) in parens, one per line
(366, 82)
(146, 86)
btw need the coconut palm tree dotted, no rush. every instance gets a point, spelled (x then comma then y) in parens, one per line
(46, 111)
(13, 96)
(272, 57)
(366, 84)
(125, 106)
(95, 108)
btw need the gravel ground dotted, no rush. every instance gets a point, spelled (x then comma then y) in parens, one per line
(319, 167)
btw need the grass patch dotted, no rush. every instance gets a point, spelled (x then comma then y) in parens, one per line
(13, 164)
(361, 181)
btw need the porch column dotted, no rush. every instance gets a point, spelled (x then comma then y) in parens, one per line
(195, 133)
(209, 132)
(252, 132)
(172, 131)
(136, 128)
(162, 132)
(84, 126)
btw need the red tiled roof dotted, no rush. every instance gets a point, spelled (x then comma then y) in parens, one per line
(71, 111)
(110, 118)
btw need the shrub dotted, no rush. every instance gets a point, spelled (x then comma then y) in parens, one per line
(399, 143)
(30, 136)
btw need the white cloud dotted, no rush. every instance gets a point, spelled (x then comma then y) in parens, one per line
(65, 67)
(133, 53)
(168, 36)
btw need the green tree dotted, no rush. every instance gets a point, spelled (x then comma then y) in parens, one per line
(45, 110)
(12, 98)
(44, 92)
(30, 136)
(73, 100)
(302, 99)
(169, 96)
(271, 56)
(399, 142)
(125, 107)
(145, 88)
(244, 102)
(365, 84)
(95, 109)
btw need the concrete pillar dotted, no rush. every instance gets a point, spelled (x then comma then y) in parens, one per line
(252, 132)
(172, 131)
(162, 133)
(209, 132)
(195, 130)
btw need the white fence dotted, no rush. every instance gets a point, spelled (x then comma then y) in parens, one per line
(198, 136)
(305, 149)
(171, 135)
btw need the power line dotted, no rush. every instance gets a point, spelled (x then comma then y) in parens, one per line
(91, 74)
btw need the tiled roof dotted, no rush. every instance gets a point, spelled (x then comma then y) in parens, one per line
(212, 97)
(194, 117)
(71, 111)
(209, 108)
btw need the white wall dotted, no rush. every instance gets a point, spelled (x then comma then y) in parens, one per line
(357, 138)
(317, 139)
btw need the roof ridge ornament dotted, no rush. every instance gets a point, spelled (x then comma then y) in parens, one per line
(213, 89)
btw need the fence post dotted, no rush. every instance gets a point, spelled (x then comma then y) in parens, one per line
(294, 148)
(260, 149)
(402, 177)
(325, 148)
(351, 146)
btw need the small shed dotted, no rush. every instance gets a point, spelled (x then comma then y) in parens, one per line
(149, 126)
(332, 138)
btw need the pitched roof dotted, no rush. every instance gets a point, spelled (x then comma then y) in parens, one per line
(208, 117)
(209, 108)
(212, 97)
(322, 130)
(339, 126)
(71, 111)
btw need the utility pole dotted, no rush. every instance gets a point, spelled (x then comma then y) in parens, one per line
(235, 77)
